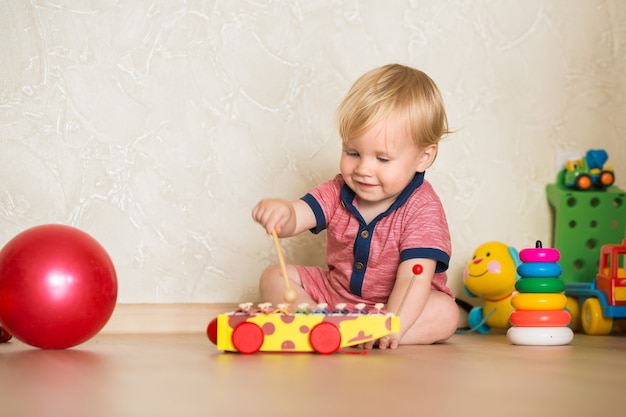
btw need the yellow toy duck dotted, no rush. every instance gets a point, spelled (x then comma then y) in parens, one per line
(491, 274)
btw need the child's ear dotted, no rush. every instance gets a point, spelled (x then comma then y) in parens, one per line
(426, 158)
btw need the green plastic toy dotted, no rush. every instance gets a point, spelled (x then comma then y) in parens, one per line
(584, 220)
(588, 171)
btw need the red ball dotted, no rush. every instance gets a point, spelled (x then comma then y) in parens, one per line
(58, 287)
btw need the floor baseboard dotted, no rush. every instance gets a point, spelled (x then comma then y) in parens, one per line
(164, 318)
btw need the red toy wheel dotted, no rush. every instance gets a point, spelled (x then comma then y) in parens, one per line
(325, 338)
(211, 331)
(247, 337)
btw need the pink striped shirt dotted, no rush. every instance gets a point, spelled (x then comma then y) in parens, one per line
(363, 258)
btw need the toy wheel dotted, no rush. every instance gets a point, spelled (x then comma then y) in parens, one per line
(4, 335)
(211, 331)
(247, 337)
(592, 319)
(606, 178)
(583, 182)
(325, 338)
(574, 310)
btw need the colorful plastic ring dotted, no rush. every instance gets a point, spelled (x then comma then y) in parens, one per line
(540, 318)
(530, 301)
(536, 285)
(540, 336)
(539, 269)
(539, 255)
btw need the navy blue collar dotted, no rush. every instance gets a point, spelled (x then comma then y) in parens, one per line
(347, 198)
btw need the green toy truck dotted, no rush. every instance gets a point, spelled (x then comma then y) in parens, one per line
(589, 171)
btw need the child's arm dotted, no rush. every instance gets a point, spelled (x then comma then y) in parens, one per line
(416, 295)
(289, 218)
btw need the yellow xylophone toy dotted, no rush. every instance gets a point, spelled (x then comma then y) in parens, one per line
(265, 329)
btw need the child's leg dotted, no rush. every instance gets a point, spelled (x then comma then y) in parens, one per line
(272, 286)
(437, 323)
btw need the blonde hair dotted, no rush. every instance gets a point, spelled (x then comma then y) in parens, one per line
(393, 90)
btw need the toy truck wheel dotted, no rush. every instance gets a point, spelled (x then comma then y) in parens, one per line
(592, 319)
(247, 337)
(325, 338)
(574, 310)
(606, 178)
(583, 182)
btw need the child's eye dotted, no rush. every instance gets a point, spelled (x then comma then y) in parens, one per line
(383, 159)
(352, 153)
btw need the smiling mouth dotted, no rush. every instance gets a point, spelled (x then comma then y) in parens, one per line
(479, 275)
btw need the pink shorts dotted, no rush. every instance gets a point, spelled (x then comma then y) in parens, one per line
(316, 283)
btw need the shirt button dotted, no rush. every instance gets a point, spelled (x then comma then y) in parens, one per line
(359, 266)
(365, 234)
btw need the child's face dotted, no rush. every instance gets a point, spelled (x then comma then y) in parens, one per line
(379, 164)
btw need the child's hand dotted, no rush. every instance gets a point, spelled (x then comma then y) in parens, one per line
(273, 214)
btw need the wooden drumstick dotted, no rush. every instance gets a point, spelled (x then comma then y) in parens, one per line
(417, 270)
(290, 295)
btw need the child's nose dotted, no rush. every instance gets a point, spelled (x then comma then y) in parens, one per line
(362, 167)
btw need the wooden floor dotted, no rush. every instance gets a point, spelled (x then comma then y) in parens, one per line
(177, 375)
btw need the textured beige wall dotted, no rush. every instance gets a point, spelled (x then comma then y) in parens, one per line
(155, 126)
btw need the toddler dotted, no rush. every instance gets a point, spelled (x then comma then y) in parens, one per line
(380, 214)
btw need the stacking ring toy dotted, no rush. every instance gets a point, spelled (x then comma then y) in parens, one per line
(530, 301)
(540, 318)
(537, 285)
(540, 336)
(539, 269)
(539, 255)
